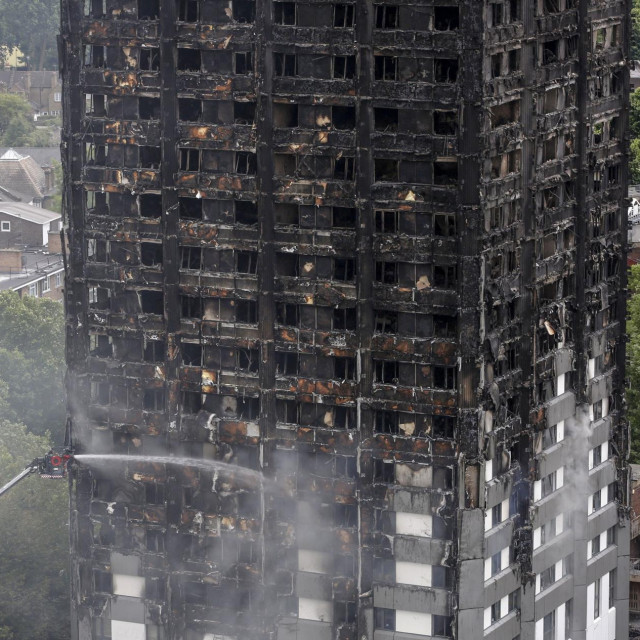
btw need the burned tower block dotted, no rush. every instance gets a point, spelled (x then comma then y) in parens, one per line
(374, 253)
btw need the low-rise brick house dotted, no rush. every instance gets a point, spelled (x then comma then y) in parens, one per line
(41, 88)
(31, 261)
(32, 272)
(25, 225)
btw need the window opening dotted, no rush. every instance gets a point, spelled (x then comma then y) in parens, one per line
(343, 15)
(189, 59)
(343, 117)
(386, 16)
(148, 9)
(446, 18)
(244, 11)
(385, 119)
(284, 13)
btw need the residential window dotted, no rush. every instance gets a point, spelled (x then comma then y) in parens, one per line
(46, 286)
(33, 290)
(57, 96)
(496, 514)
(344, 67)
(343, 15)
(385, 618)
(547, 577)
(386, 67)
(441, 626)
(154, 351)
(595, 546)
(597, 455)
(188, 11)
(386, 16)
(149, 59)
(550, 436)
(612, 587)
(387, 221)
(597, 500)
(549, 626)
(387, 272)
(284, 64)
(344, 319)
(496, 563)
(344, 269)
(444, 377)
(386, 371)
(596, 599)
(549, 484)
(344, 168)
(58, 280)
(284, 13)
(495, 612)
(153, 400)
(386, 321)
(244, 62)
(548, 531)
(5, 226)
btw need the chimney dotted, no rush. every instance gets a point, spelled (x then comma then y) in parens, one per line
(54, 243)
(10, 260)
(48, 178)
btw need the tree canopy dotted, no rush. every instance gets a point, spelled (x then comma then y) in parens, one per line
(32, 26)
(633, 352)
(635, 29)
(34, 547)
(17, 128)
(32, 363)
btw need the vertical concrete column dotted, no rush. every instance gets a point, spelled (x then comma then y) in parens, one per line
(364, 12)
(470, 524)
(266, 306)
(76, 297)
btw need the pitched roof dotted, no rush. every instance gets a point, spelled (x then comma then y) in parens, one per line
(29, 212)
(35, 265)
(23, 174)
(37, 79)
(42, 155)
(11, 195)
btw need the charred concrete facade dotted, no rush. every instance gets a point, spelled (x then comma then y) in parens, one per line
(374, 252)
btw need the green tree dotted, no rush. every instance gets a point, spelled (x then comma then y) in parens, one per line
(634, 114)
(34, 549)
(14, 110)
(32, 26)
(634, 161)
(633, 352)
(32, 363)
(635, 29)
(17, 128)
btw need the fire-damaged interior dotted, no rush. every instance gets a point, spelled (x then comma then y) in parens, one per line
(374, 252)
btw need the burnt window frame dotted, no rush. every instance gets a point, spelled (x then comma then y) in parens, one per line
(188, 11)
(149, 59)
(191, 258)
(154, 400)
(344, 319)
(285, 65)
(385, 68)
(282, 17)
(386, 16)
(343, 15)
(385, 321)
